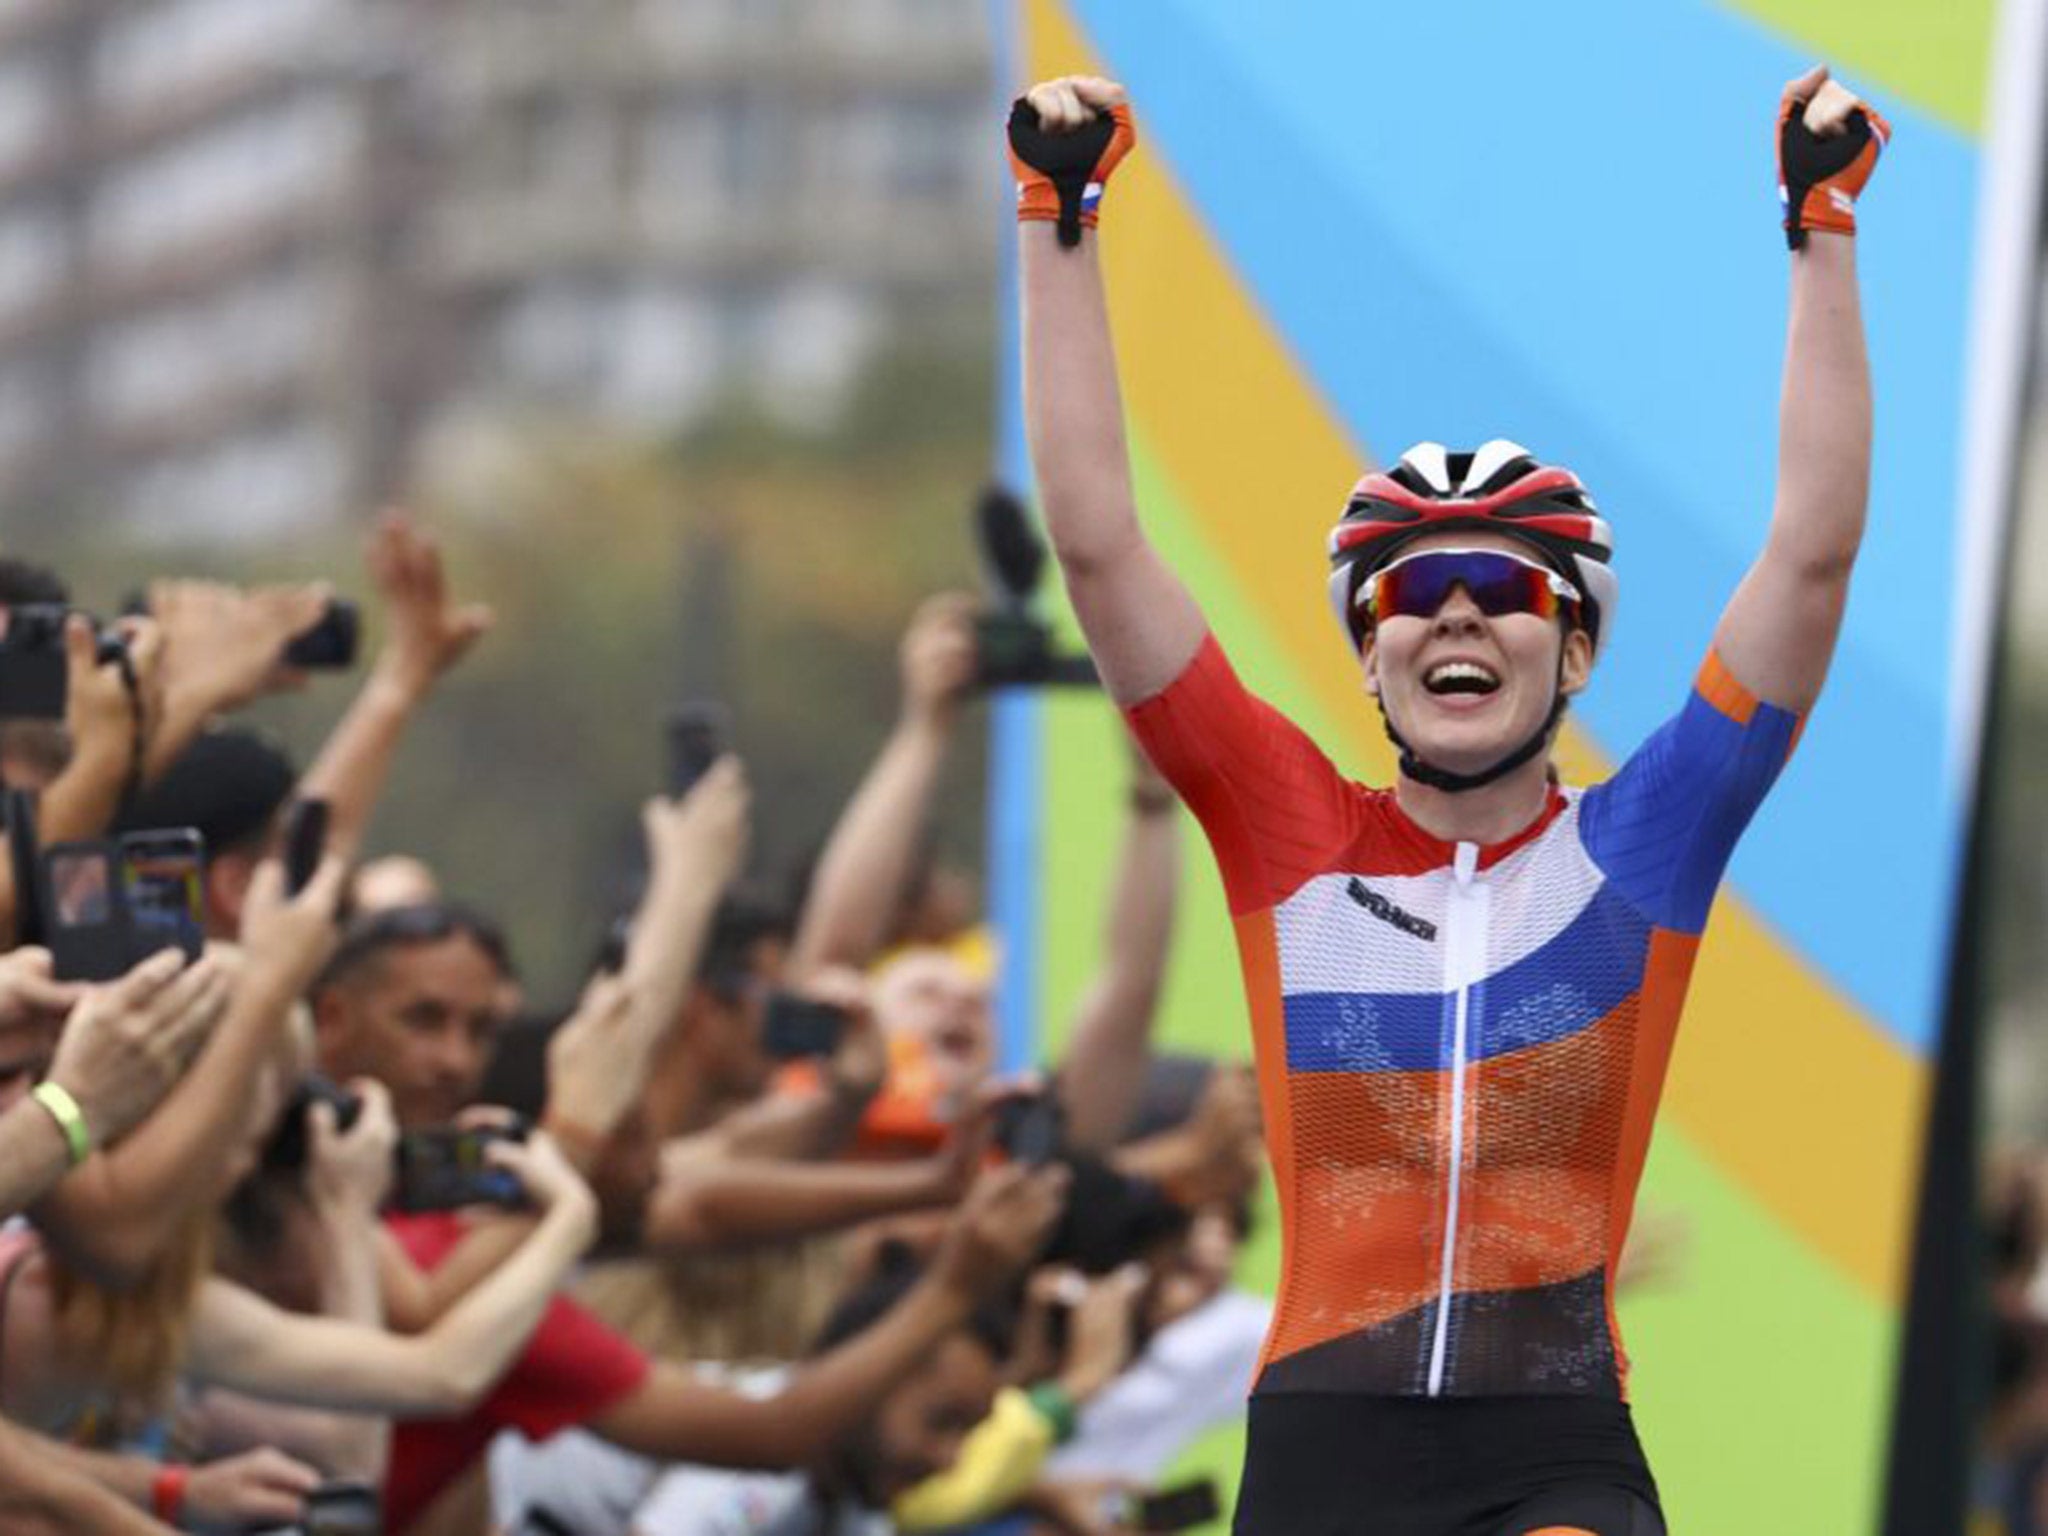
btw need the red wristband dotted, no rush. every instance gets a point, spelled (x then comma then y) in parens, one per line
(167, 1491)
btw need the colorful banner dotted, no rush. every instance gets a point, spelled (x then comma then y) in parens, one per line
(1349, 227)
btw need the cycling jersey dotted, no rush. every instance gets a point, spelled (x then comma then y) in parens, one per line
(1460, 1048)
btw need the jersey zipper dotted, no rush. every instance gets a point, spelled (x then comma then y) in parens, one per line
(1465, 919)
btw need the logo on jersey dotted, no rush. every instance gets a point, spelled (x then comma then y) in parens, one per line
(1387, 912)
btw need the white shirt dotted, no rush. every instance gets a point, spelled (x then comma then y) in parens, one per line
(1195, 1374)
(708, 1501)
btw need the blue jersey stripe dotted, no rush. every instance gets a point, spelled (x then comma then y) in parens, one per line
(1568, 984)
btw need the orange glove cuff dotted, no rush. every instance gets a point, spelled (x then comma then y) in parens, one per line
(1055, 186)
(1819, 178)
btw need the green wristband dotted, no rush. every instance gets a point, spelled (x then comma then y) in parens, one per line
(1055, 1407)
(69, 1117)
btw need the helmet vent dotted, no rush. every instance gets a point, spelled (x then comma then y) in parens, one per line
(1427, 470)
(1497, 465)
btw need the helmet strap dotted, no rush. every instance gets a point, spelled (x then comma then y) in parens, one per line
(1457, 783)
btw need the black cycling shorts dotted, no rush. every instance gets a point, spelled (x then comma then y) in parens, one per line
(1345, 1464)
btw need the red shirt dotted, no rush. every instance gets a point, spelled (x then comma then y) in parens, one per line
(572, 1369)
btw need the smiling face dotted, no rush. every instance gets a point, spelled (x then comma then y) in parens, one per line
(1465, 689)
(946, 1006)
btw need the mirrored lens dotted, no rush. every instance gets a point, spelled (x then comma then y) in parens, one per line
(1498, 584)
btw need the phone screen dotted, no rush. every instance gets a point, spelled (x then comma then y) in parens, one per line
(446, 1169)
(163, 883)
(81, 887)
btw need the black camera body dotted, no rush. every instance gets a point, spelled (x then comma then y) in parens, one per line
(797, 1027)
(331, 644)
(1013, 647)
(32, 664)
(1031, 1129)
(291, 1144)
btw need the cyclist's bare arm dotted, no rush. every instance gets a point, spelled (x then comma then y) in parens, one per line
(1778, 632)
(1142, 624)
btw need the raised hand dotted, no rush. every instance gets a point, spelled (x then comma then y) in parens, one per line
(592, 1078)
(1828, 144)
(548, 1178)
(288, 938)
(936, 659)
(224, 645)
(1066, 136)
(1000, 1227)
(352, 1169)
(126, 1043)
(108, 703)
(426, 630)
(704, 834)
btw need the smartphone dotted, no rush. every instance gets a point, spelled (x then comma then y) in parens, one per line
(32, 663)
(446, 1169)
(163, 888)
(330, 645)
(343, 1508)
(305, 840)
(798, 1026)
(1179, 1508)
(79, 887)
(19, 807)
(1030, 1129)
(697, 735)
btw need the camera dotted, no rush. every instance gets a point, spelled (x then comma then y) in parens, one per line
(330, 645)
(1031, 1129)
(796, 1027)
(291, 1144)
(1013, 647)
(32, 664)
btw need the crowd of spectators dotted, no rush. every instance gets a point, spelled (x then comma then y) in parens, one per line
(316, 1224)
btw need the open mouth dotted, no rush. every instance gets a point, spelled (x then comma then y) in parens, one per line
(1449, 678)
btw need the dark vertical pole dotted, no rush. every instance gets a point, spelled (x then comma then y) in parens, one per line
(1945, 1357)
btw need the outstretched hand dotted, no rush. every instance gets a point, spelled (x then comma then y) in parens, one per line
(428, 631)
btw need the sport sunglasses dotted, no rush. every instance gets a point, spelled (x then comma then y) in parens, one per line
(1497, 582)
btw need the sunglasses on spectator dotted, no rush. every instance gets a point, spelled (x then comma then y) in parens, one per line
(1498, 583)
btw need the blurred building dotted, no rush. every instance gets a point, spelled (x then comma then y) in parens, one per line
(255, 253)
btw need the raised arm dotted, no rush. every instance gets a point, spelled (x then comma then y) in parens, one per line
(1142, 625)
(864, 873)
(222, 648)
(241, 1341)
(599, 1060)
(114, 1213)
(425, 633)
(1110, 1047)
(1778, 632)
(677, 1417)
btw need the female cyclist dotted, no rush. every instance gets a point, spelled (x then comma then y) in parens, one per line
(1464, 989)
